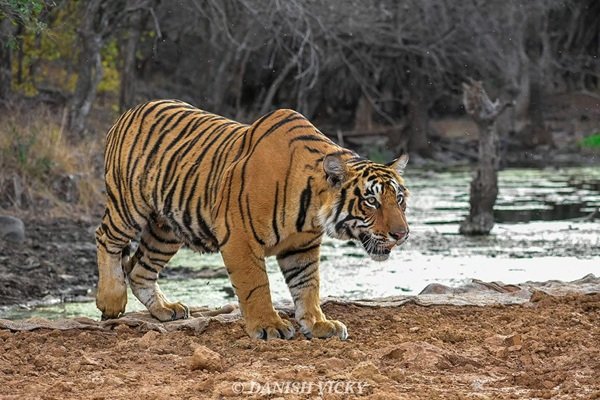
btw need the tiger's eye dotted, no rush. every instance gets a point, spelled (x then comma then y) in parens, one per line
(371, 202)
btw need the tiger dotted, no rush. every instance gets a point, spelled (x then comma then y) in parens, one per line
(176, 175)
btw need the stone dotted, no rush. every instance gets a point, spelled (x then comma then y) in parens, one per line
(148, 339)
(12, 229)
(418, 354)
(436, 288)
(206, 359)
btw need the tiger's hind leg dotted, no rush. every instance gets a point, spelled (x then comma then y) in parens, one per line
(157, 245)
(111, 239)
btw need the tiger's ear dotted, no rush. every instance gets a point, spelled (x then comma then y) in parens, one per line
(399, 164)
(335, 169)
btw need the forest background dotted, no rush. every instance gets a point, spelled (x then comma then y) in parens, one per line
(379, 76)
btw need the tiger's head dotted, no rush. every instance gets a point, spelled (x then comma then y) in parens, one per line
(366, 203)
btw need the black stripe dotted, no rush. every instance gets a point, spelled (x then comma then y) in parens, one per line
(253, 290)
(313, 150)
(308, 138)
(303, 281)
(285, 186)
(123, 133)
(205, 146)
(304, 205)
(168, 119)
(154, 150)
(106, 248)
(125, 217)
(159, 261)
(340, 204)
(225, 140)
(267, 133)
(133, 152)
(293, 273)
(213, 243)
(154, 250)
(183, 149)
(147, 267)
(221, 163)
(258, 239)
(351, 205)
(161, 239)
(294, 252)
(340, 224)
(275, 213)
(134, 280)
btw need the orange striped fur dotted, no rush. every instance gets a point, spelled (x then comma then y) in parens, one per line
(176, 175)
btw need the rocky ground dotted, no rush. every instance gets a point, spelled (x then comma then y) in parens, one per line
(546, 348)
(57, 259)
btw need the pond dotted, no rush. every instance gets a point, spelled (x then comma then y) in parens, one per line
(541, 234)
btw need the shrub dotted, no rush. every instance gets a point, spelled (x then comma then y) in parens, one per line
(40, 168)
(591, 142)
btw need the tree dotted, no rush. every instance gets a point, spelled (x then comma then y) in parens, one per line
(100, 19)
(13, 14)
(484, 186)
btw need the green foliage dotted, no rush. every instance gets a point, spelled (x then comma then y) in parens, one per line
(111, 80)
(24, 12)
(47, 58)
(592, 142)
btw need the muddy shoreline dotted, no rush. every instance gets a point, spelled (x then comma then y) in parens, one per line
(57, 260)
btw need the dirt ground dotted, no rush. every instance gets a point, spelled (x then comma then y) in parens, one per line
(546, 348)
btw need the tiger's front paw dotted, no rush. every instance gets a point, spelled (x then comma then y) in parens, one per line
(165, 311)
(270, 328)
(325, 329)
(111, 300)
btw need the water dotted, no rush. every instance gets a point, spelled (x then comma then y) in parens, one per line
(536, 238)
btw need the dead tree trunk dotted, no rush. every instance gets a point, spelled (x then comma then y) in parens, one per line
(484, 186)
(89, 72)
(363, 116)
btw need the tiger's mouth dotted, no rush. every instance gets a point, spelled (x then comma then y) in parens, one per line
(377, 249)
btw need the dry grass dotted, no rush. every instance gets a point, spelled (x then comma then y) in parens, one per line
(42, 170)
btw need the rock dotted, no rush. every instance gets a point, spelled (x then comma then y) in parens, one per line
(12, 229)
(205, 358)
(501, 345)
(66, 188)
(538, 296)
(334, 363)
(366, 370)
(436, 288)
(418, 354)
(514, 339)
(148, 339)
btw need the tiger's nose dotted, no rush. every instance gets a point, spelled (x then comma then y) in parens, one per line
(399, 235)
